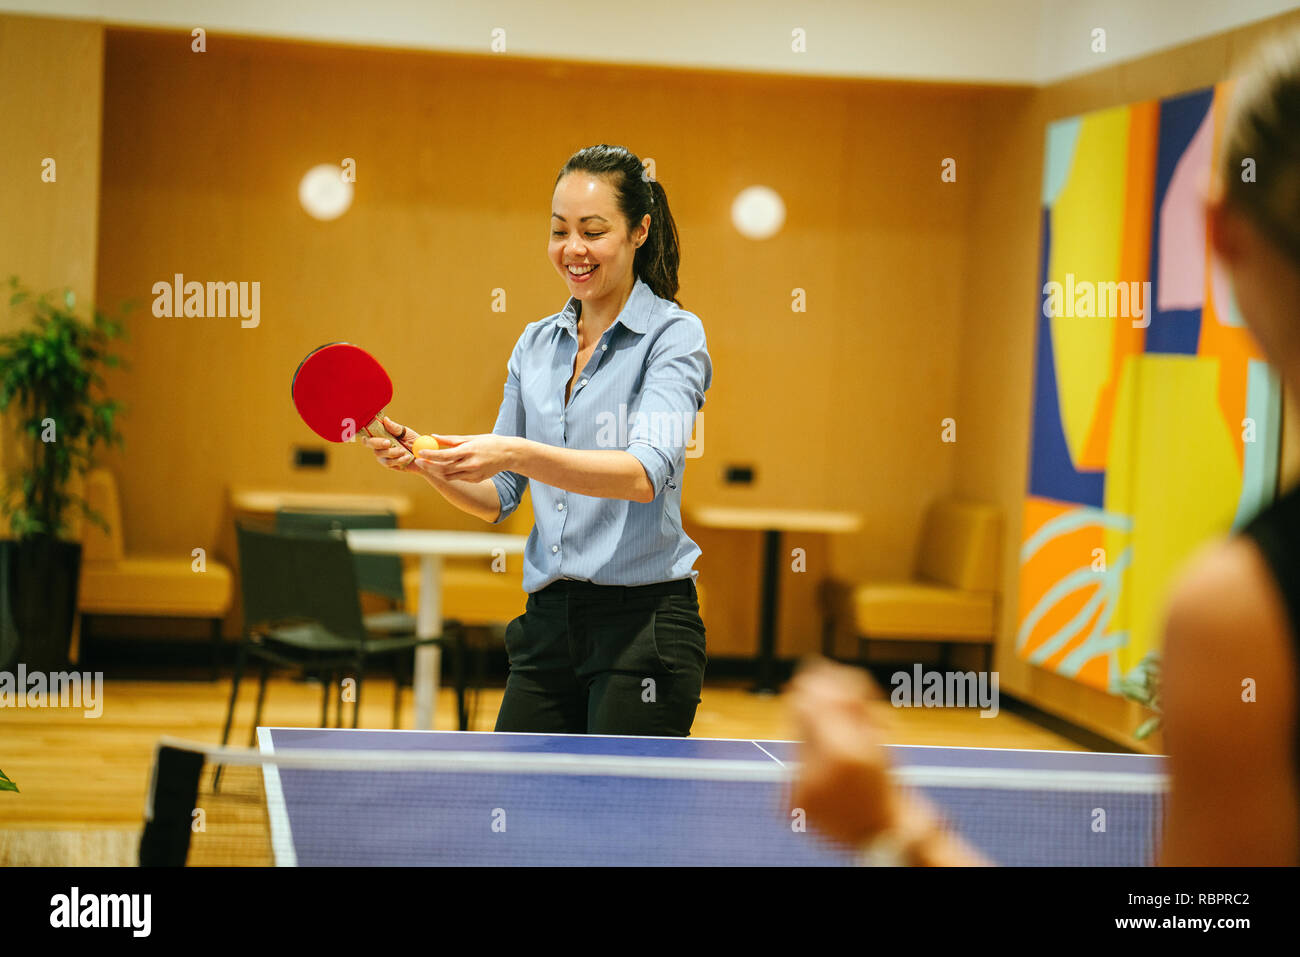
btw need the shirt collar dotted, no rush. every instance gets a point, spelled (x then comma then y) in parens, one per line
(635, 314)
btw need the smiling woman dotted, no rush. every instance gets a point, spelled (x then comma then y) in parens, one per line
(611, 640)
(601, 187)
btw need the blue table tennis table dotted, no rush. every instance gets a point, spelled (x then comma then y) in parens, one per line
(1017, 807)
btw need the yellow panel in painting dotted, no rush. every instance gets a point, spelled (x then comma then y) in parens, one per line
(1087, 233)
(1135, 256)
(1182, 484)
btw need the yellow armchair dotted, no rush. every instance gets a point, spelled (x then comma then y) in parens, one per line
(952, 598)
(115, 583)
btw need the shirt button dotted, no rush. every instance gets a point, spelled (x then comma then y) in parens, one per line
(555, 548)
(583, 382)
(604, 346)
(559, 506)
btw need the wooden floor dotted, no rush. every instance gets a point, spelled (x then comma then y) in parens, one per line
(82, 780)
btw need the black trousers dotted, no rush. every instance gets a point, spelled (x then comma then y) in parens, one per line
(605, 659)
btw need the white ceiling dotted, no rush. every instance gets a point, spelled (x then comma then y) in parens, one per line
(980, 41)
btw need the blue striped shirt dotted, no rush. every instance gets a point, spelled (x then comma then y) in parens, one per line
(640, 392)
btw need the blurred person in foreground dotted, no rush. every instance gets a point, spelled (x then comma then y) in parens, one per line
(1232, 628)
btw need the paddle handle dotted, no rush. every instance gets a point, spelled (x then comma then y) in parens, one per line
(375, 427)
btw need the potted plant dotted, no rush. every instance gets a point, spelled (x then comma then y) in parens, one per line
(1142, 685)
(49, 369)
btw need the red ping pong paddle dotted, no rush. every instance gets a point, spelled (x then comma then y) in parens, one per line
(340, 390)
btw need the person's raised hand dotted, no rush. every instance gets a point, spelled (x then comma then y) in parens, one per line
(843, 784)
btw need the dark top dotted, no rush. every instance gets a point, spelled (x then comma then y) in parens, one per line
(1276, 530)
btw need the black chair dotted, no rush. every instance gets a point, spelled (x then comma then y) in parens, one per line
(381, 575)
(376, 574)
(302, 611)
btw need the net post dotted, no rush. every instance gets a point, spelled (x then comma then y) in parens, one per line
(173, 792)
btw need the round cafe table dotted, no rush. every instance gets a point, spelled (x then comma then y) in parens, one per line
(431, 545)
(772, 522)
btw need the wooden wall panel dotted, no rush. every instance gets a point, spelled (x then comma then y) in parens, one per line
(51, 79)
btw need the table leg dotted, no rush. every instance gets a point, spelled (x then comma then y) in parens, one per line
(767, 612)
(428, 624)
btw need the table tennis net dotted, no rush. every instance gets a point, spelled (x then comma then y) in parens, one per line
(230, 807)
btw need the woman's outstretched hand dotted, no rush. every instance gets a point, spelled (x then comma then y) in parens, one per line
(468, 458)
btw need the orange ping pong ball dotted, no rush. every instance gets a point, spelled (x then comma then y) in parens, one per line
(425, 442)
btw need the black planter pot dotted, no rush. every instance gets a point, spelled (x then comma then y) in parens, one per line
(38, 601)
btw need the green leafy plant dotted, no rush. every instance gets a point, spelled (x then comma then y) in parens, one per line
(1142, 685)
(51, 370)
(6, 784)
